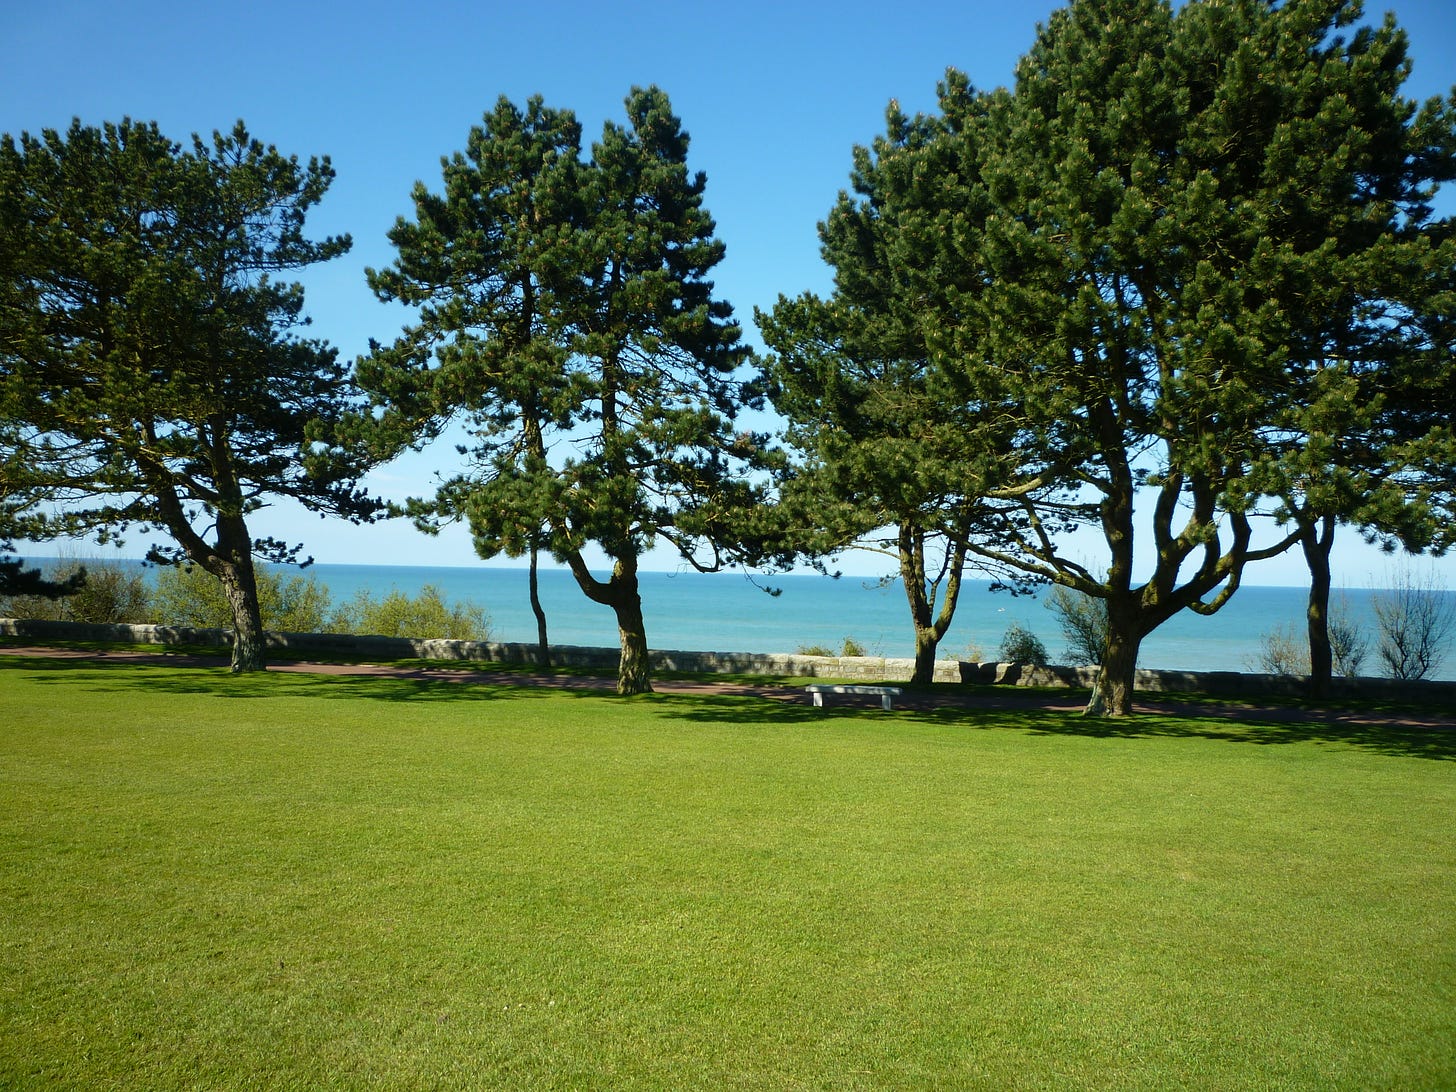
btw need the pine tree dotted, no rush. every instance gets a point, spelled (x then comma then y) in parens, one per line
(566, 317)
(881, 465)
(150, 354)
(1152, 258)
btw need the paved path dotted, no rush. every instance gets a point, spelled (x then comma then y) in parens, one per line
(939, 698)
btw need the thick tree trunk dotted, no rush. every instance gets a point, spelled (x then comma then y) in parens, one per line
(1317, 542)
(543, 654)
(634, 672)
(926, 645)
(239, 582)
(633, 669)
(1116, 681)
(912, 575)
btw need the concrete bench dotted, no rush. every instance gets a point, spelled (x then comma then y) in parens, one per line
(886, 694)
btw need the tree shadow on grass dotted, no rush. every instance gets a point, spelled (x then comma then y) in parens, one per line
(219, 682)
(764, 707)
(1269, 728)
(1394, 739)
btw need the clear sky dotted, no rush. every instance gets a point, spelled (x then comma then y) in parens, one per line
(774, 95)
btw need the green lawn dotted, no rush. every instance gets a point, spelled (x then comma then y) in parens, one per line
(305, 882)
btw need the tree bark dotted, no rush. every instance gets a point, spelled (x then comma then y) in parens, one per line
(622, 594)
(543, 653)
(633, 669)
(928, 631)
(240, 583)
(1317, 541)
(912, 575)
(1116, 681)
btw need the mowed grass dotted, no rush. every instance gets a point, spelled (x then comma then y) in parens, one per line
(306, 882)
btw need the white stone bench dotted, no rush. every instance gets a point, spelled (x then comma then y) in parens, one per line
(886, 694)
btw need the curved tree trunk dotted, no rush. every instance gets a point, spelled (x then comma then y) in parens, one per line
(543, 653)
(634, 674)
(623, 595)
(1317, 542)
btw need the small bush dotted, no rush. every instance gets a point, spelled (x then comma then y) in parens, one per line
(1415, 619)
(1083, 621)
(426, 615)
(112, 593)
(1282, 651)
(1021, 646)
(852, 647)
(815, 650)
(1348, 642)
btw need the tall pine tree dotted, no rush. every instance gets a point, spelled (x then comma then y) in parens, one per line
(881, 464)
(565, 316)
(1155, 261)
(152, 357)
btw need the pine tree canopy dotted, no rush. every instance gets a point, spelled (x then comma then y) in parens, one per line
(152, 374)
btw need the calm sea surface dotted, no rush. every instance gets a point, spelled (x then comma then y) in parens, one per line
(726, 612)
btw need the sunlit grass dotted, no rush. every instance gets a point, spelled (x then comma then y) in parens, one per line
(296, 881)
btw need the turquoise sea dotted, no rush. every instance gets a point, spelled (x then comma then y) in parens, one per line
(731, 612)
(728, 612)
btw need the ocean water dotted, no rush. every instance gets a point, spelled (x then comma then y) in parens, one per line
(729, 612)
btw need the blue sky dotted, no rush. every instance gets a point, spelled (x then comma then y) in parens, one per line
(774, 95)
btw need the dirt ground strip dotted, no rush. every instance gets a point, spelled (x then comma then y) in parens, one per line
(941, 697)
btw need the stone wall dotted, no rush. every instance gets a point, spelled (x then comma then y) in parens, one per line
(861, 668)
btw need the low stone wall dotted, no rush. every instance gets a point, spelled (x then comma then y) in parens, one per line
(860, 668)
(370, 647)
(1230, 684)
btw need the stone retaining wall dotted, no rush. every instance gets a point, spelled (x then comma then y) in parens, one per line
(860, 668)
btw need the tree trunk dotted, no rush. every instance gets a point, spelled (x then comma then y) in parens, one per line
(239, 582)
(622, 594)
(543, 654)
(921, 594)
(926, 644)
(1317, 542)
(912, 575)
(633, 669)
(634, 672)
(1116, 681)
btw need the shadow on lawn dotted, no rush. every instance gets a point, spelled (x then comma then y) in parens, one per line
(767, 706)
(1256, 727)
(121, 677)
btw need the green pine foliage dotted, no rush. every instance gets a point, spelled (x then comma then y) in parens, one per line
(565, 317)
(1187, 261)
(152, 358)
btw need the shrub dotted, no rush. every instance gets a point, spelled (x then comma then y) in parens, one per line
(112, 592)
(1021, 646)
(1348, 642)
(425, 615)
(191, 596)
(815, 650)
(1282, 651)
(1415, 618)
(852, 647)
(1083, 620)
